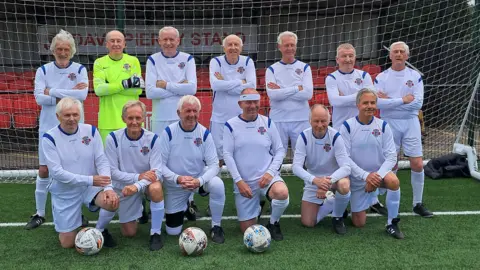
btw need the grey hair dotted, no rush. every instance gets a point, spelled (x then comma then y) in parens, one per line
(286, 34)
(107, 36)
(167, 28)
(365, 91)
(64, 36)
(248, 89)
(405, 46)
(133, 103)
(224, 42)
(346, 46)
(189, 99)
(316, 106)
(68, 103)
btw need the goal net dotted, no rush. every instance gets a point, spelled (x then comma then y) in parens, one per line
(442, 35)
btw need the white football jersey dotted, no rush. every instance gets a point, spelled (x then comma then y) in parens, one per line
(60, 81)
(288, 104)
(345, 107)
(173, 70)
(370, 147)
(129, 158)
(322, 156)
(187, 153)
(73, 159)
(252, 148)
(227, 91)
(397, 84)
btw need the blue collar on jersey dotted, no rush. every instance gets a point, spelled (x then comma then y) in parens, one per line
(358, 120)
(172, 56)
(69, 64)
(283, 63)
(180, 125)
(68, 134)
(246, 121)
(226, 60)
(345, 73)
(130, 139)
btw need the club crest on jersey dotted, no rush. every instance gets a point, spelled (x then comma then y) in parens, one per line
(86, 140)
(240, 70)
(409, 83)
(262, 130)
(298, 71)
(198, 142)
(358, 81)
(376, 132)
(181, 65)
(72, 76)
(126, 66)
(145, 150)
(327, 147)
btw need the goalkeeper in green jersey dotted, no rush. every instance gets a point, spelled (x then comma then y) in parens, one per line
(117, 79)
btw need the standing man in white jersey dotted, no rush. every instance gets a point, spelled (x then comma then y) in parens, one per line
(170, 75)
(369, 142)
(322, 150)
(342, 87)
(229, 75)
(135, 162)
(289, 87)
(253, 154)
(53, 81)
(190, 164)
(79, 168)
(400, 91)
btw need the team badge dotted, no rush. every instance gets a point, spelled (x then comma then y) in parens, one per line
(126, 66)
(298, 71)
(72, 76)
(376, 132)
(145, 150)
(240, 70)
(181, 65)
(358, 81)
(86, 140)
(327, 147)
(262, 130)
(198, 142)
(409, 84)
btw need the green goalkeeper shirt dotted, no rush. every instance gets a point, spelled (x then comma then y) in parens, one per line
(107, 80)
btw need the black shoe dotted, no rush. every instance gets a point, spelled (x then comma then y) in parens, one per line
(339, 225)
(275, 231)
(156, 242)
(262, 205)
(217, 234)
(345, 214)
(394, 230)
(84, 222)
(191, 213)
(34, 222)
(379, 209)
(108, 240)
(422, 211)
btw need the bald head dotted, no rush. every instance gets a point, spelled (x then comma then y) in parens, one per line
(115, 44)
(319, 110)
(247, 91)
(116, 34)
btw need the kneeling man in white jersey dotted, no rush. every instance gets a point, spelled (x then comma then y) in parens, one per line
(369, 142)
(253, 153)
(135, 162)
(79, 168)
(322, 150)
(190, 164)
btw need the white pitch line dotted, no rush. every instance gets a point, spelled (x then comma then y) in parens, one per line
(405, 214)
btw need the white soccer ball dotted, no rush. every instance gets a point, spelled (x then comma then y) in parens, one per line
(89, 241)
(192, 241)
(257, 238)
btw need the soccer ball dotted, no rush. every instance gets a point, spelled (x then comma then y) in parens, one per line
(192, 241)
(89, 241)
(257, 238)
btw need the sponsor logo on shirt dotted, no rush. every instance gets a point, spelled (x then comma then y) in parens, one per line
(327, 147)
(409, 83)
(72, 76)
(181, 65)
(376, 132)
(126, 66)
(262, 130)
(358, 81)
(86, 140)
(198, 142)
(240, 70)
(298, 71)
(145, 150)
